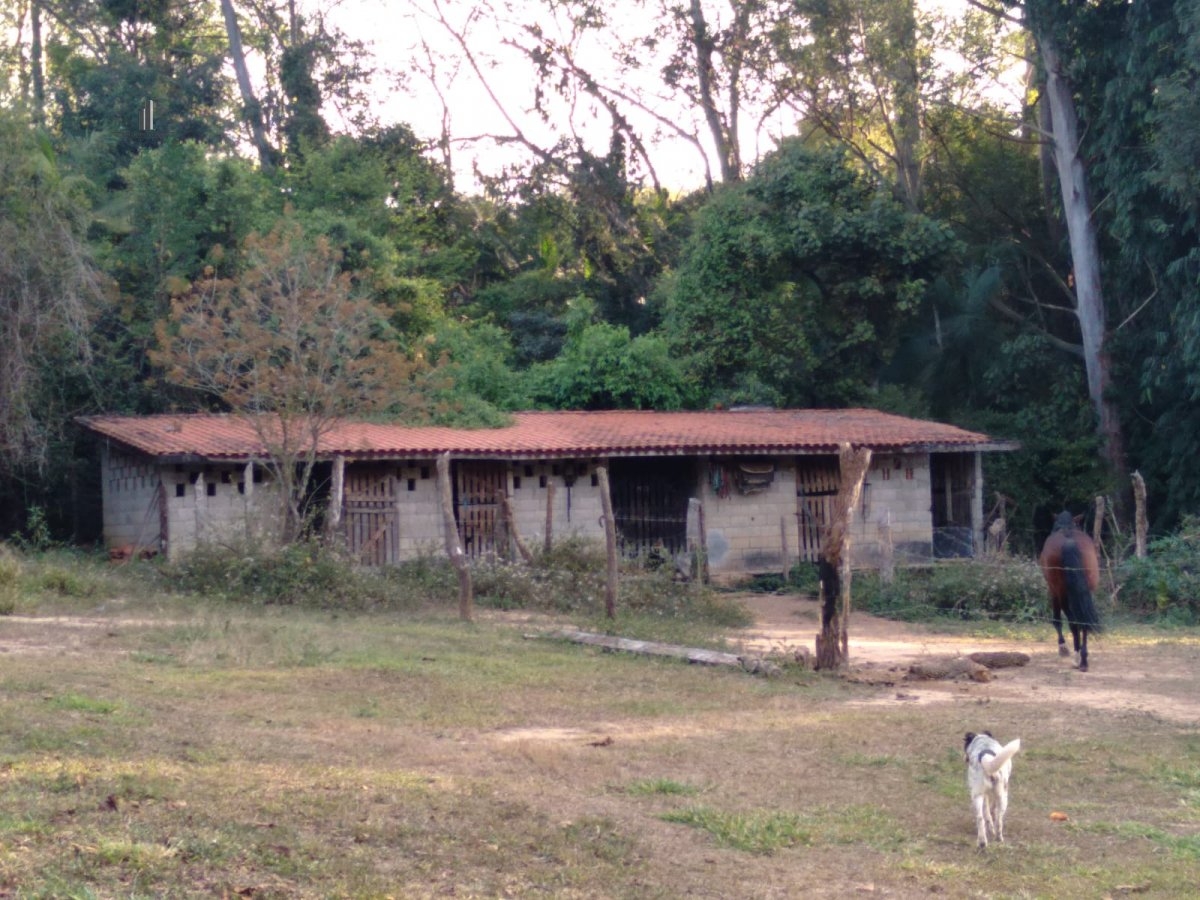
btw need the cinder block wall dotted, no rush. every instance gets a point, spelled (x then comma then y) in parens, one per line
(129, 487)
(420, 509)
(896, 499)
(744, 529)
(577, 509)
(215, 503)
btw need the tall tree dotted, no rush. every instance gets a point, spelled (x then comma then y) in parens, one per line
(251, 107)
(291, 344)
(50, 293)
(800, 280)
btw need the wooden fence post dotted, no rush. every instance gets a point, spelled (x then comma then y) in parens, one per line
(453, 544)
(549, 543)
(610, 543)
(1139, 504)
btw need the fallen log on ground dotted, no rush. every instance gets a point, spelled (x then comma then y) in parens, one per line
(753, 664)
(1000, 659)
(941, 668)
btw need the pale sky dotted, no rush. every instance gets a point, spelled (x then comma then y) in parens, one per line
(394, 31)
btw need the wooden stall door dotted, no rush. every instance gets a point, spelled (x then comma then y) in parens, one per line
(650, 503)
(478, 486)
(372, 516)
(817, 480)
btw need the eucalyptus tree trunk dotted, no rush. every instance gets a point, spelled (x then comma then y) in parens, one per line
(1085, 252)
(906, 128)
(35, 63)
(251, 108)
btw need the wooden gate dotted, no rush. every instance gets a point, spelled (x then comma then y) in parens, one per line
(478, 486)
(372, 515)
(817, 481)
(650, 504)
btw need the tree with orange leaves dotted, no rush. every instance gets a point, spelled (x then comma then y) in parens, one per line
(292, 344)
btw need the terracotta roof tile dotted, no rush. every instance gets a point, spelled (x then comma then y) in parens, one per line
(534, 434)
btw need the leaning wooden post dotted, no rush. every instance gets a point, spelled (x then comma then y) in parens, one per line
(1139, 506)
(610, 543)
(549, 543)
(833, 643)
(1098, 520)
(511, 519)
(453, 545)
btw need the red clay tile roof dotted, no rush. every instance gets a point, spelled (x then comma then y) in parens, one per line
(560, 434)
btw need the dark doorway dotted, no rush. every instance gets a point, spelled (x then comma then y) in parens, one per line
(952, 488)
(650, 503)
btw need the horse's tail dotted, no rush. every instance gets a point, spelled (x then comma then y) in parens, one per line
(991, 765)
(1081, 608)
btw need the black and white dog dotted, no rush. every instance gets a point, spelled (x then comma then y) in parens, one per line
(989, 766)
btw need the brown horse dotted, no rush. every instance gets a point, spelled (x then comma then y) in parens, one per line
(1072, 570)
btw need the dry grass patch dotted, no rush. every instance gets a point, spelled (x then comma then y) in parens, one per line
(295, 753)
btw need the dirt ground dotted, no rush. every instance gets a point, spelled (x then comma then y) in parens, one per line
(1134, 675)
(1127, 674)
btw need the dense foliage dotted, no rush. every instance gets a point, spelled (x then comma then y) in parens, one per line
(901, 242)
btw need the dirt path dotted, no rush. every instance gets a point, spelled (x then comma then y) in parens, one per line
(1140, 677)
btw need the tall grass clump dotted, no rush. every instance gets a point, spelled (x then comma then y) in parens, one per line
(1164, 586)
(570, 579)
(307, 573)
(10, 581)
(1004, 588)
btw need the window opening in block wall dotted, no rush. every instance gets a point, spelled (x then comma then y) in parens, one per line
(181, 490)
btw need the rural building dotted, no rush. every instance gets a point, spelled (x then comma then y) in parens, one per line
(753, 485)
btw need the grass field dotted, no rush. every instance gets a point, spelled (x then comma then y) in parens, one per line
(172, 748)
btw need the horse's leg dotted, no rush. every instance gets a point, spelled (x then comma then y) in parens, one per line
(1062, 643)
(1075, 639)
(1083, 650)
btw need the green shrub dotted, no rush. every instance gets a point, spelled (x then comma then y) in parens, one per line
(571, 578)
(801, 578)
(1006, 588)
(305, 573)
(1165, 585)
(10, 581)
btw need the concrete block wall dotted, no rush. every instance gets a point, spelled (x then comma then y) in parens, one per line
(208, 503)
(896, 498)
(129, 488)
(421, 525)
(577, 509)
(744, 529)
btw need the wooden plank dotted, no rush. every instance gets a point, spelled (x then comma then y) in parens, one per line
(653, 648)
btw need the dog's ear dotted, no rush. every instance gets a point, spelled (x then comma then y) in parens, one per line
(967, 740)
(989, 734)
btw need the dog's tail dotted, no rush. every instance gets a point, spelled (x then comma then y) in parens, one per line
(991, 765)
